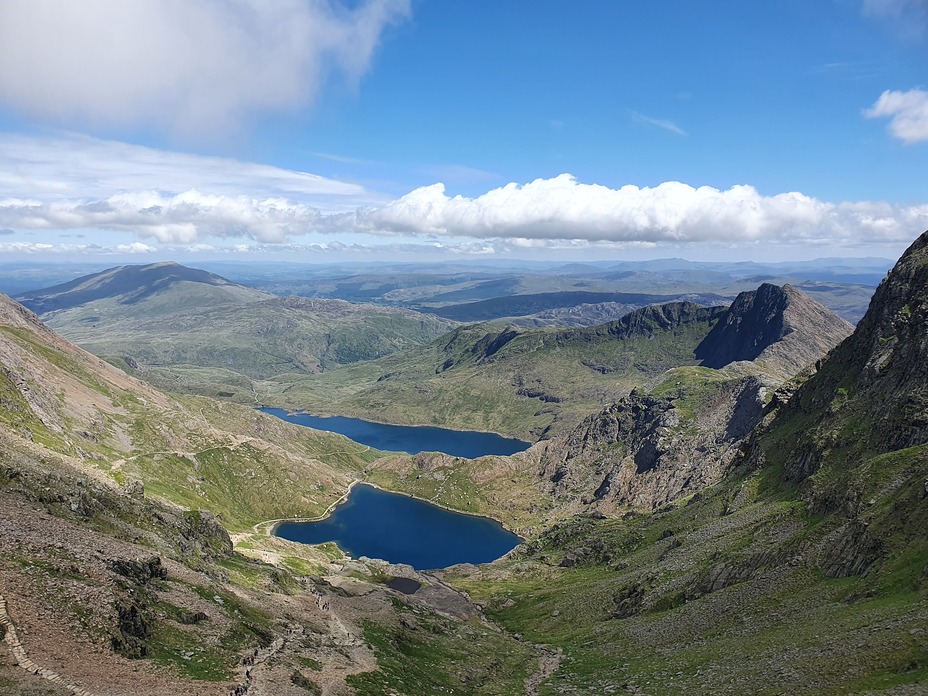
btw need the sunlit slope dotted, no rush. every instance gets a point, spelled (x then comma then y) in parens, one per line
(509, 380)
(537, 383)
(242, 465)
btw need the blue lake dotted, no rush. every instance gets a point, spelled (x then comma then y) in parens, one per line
(406, 438)
(400, 529)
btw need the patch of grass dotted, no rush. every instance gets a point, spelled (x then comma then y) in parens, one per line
(438, 656)
(182, 649)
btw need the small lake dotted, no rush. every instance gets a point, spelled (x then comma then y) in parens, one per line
(408, 438)
(400, 529)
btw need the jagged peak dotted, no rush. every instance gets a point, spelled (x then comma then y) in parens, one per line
(780, 325)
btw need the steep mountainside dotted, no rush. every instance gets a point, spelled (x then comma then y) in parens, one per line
(169, 316)
(779, 328)
(647, 450)
(803, 571)
(651, 448)
(70, 402)
(871, 396)
(116, 577)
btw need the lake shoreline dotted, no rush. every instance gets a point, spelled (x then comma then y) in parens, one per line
(344, 496)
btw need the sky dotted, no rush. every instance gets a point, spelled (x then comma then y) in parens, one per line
(324, 130)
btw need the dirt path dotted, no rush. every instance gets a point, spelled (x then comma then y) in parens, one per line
(548, 662)
(22, 659)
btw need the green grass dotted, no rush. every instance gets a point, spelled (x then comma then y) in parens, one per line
(438, 656)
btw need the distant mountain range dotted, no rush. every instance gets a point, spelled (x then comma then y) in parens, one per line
(844, 285)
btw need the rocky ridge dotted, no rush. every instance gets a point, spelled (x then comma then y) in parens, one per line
(651, 448)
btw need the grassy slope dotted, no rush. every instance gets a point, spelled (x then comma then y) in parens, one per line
(639, 608)
(257, 340)
(242, 465)
(804, 571)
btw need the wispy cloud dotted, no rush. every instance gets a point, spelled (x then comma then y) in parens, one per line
(342, 159)
(78, 168)
(907, 113)
(188, 66)
(909, 16)
(664, 124)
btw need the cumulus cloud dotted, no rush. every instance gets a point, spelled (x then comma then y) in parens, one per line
(192, 66)
(907, 113)
(562, 208)
(183, 218)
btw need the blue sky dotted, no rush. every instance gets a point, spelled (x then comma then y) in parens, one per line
(371, 129)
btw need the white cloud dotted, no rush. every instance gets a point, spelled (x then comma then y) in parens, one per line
(191, 66)
(664, 124)
(184, 218)
(562, 208)
(72, 182)
(907, 111)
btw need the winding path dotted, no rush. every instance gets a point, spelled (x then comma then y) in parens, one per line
(22, 659)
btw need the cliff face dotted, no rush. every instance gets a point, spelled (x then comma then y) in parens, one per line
(645, 451)
(780, 328)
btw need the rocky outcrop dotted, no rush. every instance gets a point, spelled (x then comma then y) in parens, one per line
(871, 394)
(645, 451)
(779, 327)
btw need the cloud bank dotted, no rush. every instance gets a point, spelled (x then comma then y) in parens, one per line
(562, 208)
(189, 66)
(907, 113)
(79, 184)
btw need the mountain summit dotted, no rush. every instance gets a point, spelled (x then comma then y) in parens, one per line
(168, 282)
(781, 328)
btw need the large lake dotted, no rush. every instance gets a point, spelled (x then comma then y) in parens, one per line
(405, 438)
(400, 529)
